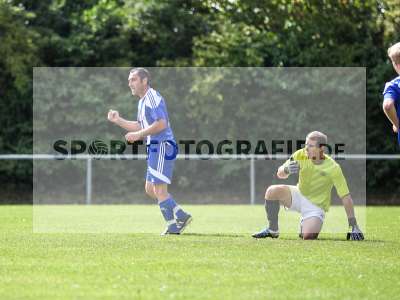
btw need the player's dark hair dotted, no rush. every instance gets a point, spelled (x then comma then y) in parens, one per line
(142, 73)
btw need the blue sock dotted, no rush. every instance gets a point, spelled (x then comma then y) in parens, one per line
(180, 214)
(167, 210)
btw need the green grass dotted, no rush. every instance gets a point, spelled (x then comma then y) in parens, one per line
(214, 259)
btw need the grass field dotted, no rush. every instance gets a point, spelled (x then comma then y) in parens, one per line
(214, 259)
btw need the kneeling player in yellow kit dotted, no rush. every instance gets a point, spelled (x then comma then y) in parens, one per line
(318, 173)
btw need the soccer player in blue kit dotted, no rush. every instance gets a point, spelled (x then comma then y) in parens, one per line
(391, 93)
(153, 124)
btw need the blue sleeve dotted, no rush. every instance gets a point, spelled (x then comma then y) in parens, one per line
(391, 93)
(158, 113)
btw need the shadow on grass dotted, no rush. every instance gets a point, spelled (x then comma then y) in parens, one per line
(215, 234)
(286, 238)
(338, 239)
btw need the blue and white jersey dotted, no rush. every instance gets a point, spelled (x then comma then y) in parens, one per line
(152, 107)
(392, 91)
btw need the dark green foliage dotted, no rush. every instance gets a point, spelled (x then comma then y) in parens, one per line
(195, 33)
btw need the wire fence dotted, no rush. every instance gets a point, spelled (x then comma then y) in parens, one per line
(249, 157)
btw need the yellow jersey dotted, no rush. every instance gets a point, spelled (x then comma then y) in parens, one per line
(317, 180)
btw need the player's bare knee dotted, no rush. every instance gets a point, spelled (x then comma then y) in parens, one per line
(157, 193)
(269, 193)
(160, 193)
(274, 192)
(150, 193)
(310, 236)
(149, 188)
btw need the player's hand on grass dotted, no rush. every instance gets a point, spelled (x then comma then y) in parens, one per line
(133, 136)
(113, 116)
(292, 168)
(355, 233)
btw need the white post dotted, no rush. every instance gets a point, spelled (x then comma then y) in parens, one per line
(252, 182)
(88, 181)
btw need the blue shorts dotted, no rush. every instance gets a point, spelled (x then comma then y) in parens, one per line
(161, 158)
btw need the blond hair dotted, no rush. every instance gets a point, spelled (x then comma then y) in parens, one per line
(394, 53)
(319, 137)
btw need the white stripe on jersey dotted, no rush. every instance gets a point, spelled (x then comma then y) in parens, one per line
(149, 101)
(143, 116)
(140, 114)
(153, 100)
(143, 120)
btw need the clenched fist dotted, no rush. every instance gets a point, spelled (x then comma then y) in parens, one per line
(113, 116)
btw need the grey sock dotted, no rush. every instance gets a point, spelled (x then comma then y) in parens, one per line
(272, 210)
